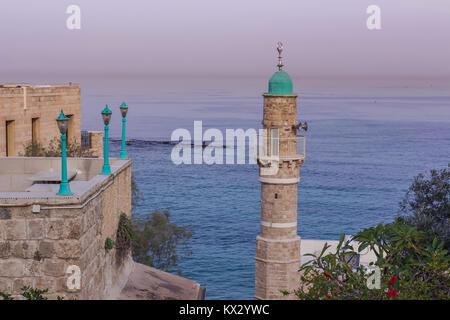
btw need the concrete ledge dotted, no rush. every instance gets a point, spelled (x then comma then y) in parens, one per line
(279, 180)
(82, 190)
(297, 238)
(278, 225)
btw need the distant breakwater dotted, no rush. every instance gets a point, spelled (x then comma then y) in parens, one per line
(141, 142)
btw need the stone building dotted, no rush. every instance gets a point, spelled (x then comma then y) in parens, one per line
(277, 257)
(43, 235)
(28, 113)
(47, 239)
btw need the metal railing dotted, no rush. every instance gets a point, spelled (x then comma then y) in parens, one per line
(269, 148)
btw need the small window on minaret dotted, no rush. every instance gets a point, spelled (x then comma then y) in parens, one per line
(274, 141)
(276, 195)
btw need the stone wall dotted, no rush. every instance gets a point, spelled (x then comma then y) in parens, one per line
(96, 143)
(36, 248)
(22, 104)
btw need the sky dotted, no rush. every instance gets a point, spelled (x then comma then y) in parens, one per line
(226, 37)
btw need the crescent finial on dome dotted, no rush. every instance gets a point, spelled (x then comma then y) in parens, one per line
(280, 60)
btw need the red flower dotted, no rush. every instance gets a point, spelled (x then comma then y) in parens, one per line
(327, 275)
(392, 293)
(393, 280)
(328, 297)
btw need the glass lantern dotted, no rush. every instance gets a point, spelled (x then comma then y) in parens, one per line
(63, 122)
(106, 114)
(124, 109)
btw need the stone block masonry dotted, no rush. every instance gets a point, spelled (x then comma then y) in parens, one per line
(37, 248)
(28, 113)
(96, 143)
(277, 255)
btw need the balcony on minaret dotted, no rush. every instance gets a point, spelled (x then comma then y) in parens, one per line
(272, 149)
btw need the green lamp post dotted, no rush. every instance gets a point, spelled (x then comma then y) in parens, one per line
(123, 110)
(106, 114)
(63, 123)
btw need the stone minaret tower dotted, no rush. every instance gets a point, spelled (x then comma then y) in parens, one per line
(277, 257)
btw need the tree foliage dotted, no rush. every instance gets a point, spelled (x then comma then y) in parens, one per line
(156, 241)
(427, 205)
(409, 268)
(411, 253)
(159, 243)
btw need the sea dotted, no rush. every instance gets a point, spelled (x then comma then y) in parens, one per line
(366, 140)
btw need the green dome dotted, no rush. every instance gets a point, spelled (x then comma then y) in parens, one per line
(280, 83)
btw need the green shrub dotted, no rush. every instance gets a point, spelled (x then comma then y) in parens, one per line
(410, 268)
(124, 238)
(28, 292)
(33, 294)
(427, 205)
(5, 296)
(53, 149)
(109, 244)
(125, 232)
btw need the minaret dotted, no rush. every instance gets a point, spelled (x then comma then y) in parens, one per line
(277, 258)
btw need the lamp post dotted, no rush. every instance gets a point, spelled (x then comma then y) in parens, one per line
(123, 110)
(63, 123)
(106, 114)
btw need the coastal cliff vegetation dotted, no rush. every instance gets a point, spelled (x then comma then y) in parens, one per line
(412, 259)
(157, 241)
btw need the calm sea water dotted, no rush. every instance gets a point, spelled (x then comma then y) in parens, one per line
(366, 142)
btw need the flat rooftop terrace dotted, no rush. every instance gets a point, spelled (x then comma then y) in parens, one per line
(30, 180)
(29, 85)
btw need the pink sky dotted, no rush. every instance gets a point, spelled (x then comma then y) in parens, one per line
(226, 37)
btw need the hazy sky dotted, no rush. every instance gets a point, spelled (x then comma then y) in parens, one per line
(226, 37)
